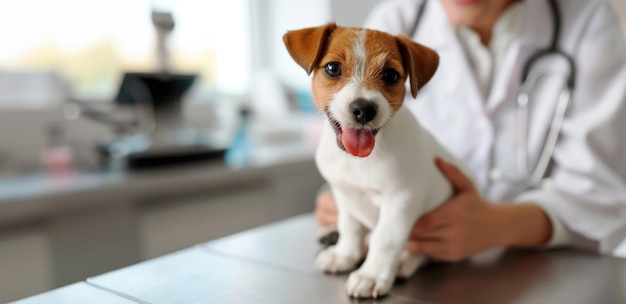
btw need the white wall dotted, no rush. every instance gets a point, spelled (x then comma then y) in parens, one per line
(276, 17)
(351, 12)
(272, 19)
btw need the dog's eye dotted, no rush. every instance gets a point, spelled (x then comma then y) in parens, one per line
(333, 69)
(391, 76)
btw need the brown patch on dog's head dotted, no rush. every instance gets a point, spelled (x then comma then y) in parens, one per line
(339, 49)
(306, 45)
(313, 48)
(372, 59)
(420, 61)
(384, 60)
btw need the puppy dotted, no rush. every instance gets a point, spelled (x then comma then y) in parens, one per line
(377, 159)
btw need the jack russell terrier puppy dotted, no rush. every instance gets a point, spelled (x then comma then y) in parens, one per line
(377, 159)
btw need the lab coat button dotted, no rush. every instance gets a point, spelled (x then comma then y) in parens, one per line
(547, 184)
(495, 174)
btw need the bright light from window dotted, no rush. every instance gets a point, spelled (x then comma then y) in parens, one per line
(92, 43)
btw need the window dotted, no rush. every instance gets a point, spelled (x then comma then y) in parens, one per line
(91, 43)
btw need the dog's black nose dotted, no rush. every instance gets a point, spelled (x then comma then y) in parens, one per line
(364, 111)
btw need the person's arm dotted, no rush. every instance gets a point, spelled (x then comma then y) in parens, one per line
(524, 225)
(467, 224)
(586, 206)
(561, 235)
(589, 189)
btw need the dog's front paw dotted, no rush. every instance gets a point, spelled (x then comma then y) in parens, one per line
(362, 284)
(331, 261)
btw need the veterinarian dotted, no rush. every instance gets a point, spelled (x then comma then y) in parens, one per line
(574, 195)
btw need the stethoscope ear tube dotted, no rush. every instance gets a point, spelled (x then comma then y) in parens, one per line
(536, 178)
(417, 19)
(553, 49)
(571, 78)
(560, 111)
(555, 128)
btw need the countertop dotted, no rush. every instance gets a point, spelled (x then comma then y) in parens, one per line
(274, 264)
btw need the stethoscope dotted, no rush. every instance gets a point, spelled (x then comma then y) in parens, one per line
(533, 178)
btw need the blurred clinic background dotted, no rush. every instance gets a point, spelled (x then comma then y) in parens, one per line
(131, 129)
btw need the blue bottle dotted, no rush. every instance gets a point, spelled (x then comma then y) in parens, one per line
(238, 153)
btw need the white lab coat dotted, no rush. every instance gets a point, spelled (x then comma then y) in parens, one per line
(589, 163)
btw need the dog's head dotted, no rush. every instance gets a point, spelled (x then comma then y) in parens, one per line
(359, 77)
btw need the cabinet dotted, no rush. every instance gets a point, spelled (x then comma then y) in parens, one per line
(109, 222)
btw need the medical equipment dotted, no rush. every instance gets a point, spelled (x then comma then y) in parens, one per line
(533, 178)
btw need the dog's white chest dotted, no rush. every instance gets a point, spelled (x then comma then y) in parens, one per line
(340, 168)
(401, 163)
(360, 180)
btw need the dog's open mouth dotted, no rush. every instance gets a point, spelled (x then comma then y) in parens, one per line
(358, 142)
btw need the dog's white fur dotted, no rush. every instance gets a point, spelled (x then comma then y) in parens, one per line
(385, 192)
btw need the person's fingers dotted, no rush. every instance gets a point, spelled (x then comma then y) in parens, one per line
(326, 209)
(429, 222)
(442, 215)
(326, 202)
(437, 233)
(325, 219)
(459, 181)
(432, 248)
(413, 247)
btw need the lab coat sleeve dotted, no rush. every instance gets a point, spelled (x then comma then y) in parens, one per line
(563, 236)
(393, 16)
(588, 194)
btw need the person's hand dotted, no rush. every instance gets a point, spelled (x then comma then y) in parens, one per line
(464, 225)
(326, 209)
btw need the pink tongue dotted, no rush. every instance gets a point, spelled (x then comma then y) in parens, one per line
(358, 142)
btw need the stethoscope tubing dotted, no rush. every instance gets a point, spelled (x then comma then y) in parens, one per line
(536, 178)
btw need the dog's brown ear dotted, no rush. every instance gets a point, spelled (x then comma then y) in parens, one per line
(421, 62)
(306, 45)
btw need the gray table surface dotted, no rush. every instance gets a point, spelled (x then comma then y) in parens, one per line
(274, 264)
(77, 293)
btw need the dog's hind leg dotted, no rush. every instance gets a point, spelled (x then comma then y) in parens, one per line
(347, 252)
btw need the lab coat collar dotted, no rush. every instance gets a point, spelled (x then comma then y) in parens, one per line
(535, 34)
(436, 32)
(434, 27)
